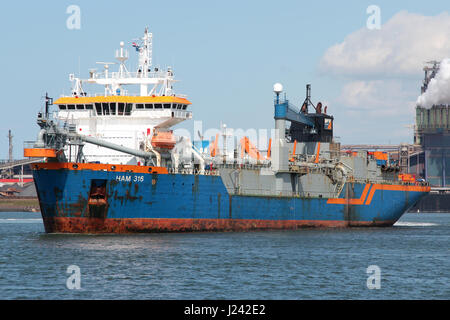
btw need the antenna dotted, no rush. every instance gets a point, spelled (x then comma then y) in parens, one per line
(10, 136)
(144, 48)
(307, 101)
(106, 66)
(122, 56)
(105, 63)
(48, 103)
(92, 73)
(146, 76)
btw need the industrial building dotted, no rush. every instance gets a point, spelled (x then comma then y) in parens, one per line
(432, 162)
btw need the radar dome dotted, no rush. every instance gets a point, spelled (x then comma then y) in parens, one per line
(277, 87)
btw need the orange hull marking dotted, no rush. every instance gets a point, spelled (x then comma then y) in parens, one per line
(317, 154)
(293, 152)
(379, 155)
(99, 167)
(269, 149)
(359, 201)
(329, 125)
(39, 152)
(394, 188)
(214, 149)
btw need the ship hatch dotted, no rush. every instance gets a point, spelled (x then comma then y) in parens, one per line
(98, 202)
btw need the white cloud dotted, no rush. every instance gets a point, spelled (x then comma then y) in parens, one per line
(378, 98)
(381, 72)
(399, 48)
(359, 94)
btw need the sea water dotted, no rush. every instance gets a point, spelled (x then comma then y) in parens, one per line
(410, 260)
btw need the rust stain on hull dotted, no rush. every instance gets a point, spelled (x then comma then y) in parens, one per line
(138, 225)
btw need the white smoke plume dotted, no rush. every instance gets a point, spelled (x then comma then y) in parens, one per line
(438, 91)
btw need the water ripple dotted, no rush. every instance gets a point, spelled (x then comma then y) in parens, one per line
(304, 264)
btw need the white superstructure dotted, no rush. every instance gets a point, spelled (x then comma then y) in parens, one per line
(122, 118)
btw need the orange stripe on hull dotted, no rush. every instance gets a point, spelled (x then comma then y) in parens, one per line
(395, 188)
(376, 187)
(97, 225)
(351, 201)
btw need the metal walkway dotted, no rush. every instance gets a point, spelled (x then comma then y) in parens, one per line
(9, 165)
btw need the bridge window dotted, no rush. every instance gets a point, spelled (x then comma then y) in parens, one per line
(179, 106)
(128, 108)
(112, 108)
(105, 109)
(139, 106)
(158, 106)
(62, 107)
(89, 106)
(121, 109)
(98, 108)
(71, 106)
(184, 107)
(80, 106)
(149, 106)
(166, 105)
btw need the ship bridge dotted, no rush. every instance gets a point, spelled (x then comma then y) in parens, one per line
(114, 115)
(304, 126)
(169, 109)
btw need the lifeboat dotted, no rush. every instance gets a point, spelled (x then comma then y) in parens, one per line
(163, 140)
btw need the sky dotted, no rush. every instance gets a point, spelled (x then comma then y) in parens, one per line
(228, 54)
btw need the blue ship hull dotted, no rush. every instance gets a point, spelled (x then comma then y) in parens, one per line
(102, 201)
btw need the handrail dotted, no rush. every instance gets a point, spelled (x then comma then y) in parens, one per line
(177, 95)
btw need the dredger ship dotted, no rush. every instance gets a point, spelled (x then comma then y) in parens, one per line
(113, 165)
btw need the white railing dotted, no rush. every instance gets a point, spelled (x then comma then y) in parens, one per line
(124, 93)
(130, 75)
